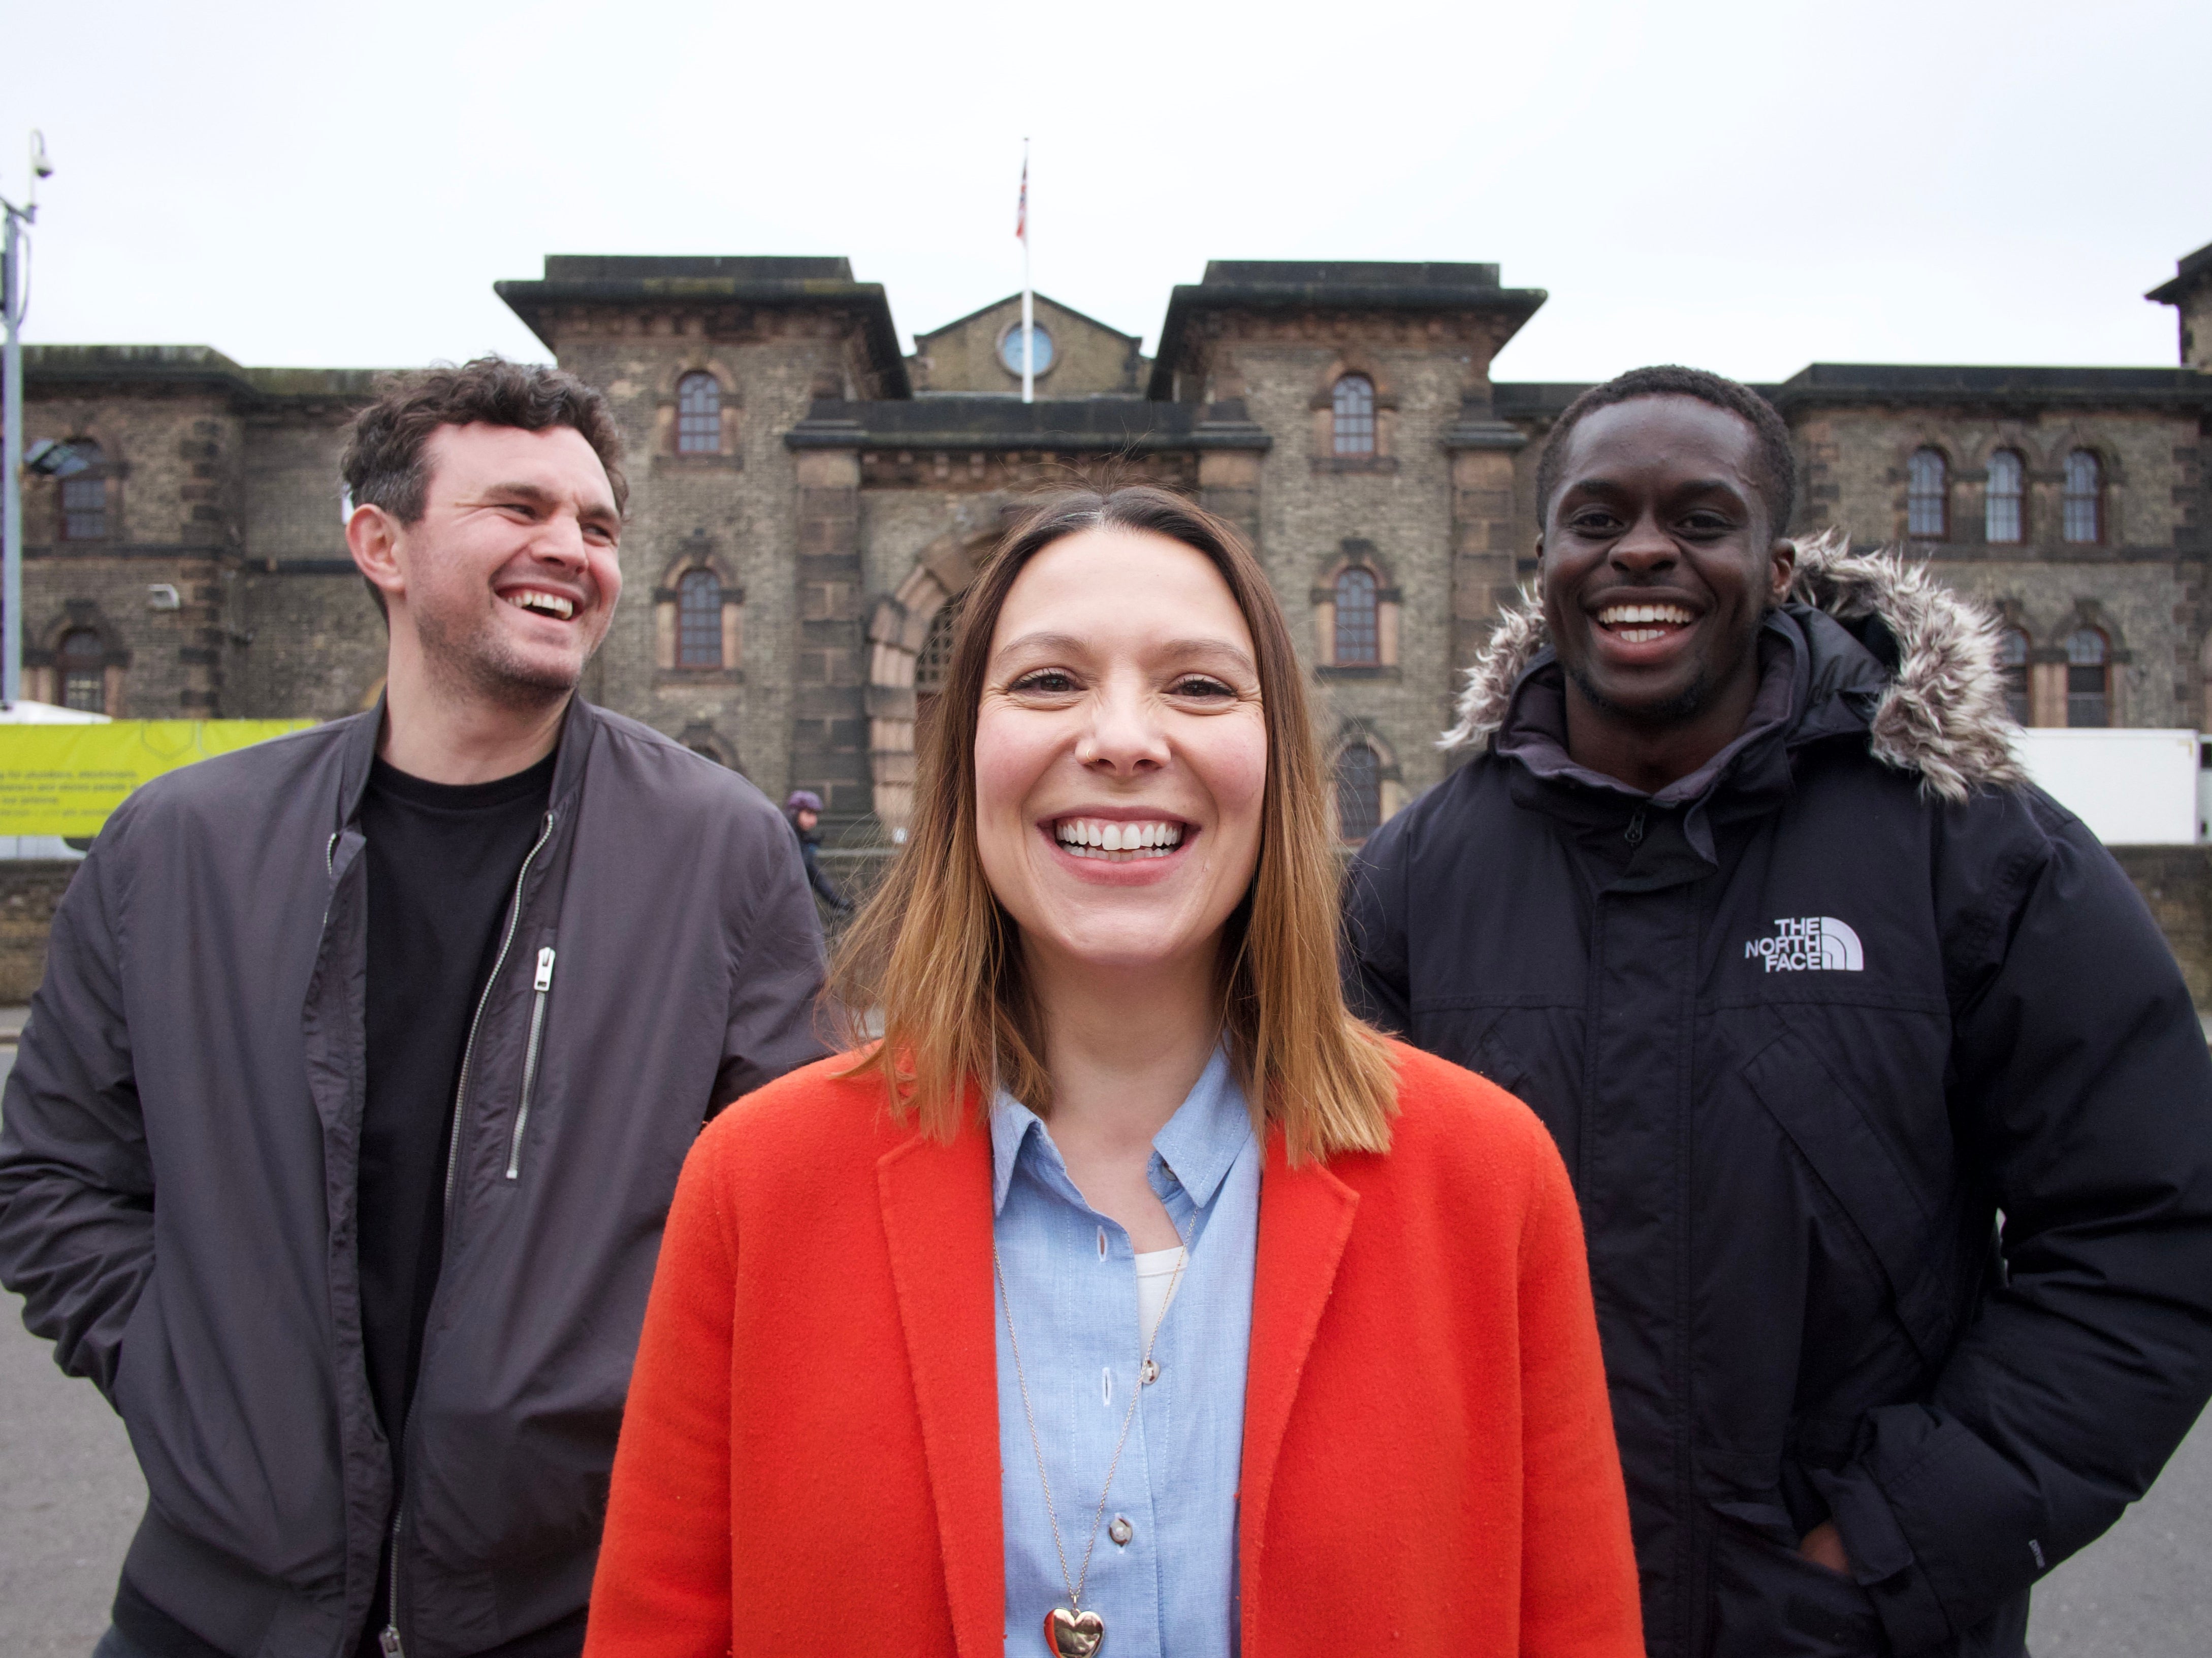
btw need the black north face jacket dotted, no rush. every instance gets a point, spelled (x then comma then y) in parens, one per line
(1889, 1115)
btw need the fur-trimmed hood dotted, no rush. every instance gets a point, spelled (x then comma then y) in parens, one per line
(1942, 714)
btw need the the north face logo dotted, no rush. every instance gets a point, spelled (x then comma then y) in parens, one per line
(1809, 944)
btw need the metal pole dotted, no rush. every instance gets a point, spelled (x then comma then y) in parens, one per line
(1029, 333)
(11, 566)
(1029, 314)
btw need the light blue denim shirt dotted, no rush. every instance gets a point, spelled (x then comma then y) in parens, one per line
(1170, 1592)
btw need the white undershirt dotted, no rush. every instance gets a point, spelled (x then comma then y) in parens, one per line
(1155, 1273)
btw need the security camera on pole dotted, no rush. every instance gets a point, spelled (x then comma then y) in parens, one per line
(13, 297)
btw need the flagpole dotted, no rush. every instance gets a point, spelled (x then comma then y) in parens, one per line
(1029, 307)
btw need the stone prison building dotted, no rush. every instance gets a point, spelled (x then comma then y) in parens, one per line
(809, 503)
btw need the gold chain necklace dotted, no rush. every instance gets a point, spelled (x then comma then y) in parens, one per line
(1070, 1631)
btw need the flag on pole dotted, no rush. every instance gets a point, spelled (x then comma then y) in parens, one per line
(1022, 208)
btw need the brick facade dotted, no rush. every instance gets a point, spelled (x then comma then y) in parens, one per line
(842, 494)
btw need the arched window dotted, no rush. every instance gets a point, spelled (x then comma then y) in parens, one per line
(1928, 495)
(698, 415)
(2083, 499)
(1354, 403)
(1358, 643)
(82, 659)
(935, 656)
(2012, 663)
(1359, 792)
(2001, 520)
(2088, 679)
(84, 496)
(699, 619)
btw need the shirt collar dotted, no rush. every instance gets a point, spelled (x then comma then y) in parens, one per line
(1199, 1143)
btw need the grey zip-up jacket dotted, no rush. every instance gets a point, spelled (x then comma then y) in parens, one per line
(179, 1158)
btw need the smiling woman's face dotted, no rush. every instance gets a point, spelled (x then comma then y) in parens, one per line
(1121, 752)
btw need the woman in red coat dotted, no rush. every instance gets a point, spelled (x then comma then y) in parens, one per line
(1128, 1296)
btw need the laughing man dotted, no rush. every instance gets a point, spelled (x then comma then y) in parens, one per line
(1743, 893)
(339, 1141)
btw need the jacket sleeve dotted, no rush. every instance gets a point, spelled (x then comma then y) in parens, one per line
(663, 1581)
(1372, 952)
(2081, 1084)
(77, 1182)
(1578, 1584)
(774, 1023)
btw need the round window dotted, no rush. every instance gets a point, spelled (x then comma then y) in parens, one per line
(1010, 348)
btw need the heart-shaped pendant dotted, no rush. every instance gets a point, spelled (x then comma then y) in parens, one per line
(1073, 1634)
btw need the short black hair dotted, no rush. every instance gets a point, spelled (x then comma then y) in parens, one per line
(1777, 463)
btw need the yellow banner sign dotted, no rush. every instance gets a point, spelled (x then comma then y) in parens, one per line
(64, 779)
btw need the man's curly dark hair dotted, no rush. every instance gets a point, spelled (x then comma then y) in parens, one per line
(386, 454)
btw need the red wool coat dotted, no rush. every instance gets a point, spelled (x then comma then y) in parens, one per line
(810, 1459)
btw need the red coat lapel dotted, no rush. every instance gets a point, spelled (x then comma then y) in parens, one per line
(1305, 1219)
(937, 1214)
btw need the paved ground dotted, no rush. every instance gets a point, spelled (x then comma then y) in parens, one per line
(70, 1496)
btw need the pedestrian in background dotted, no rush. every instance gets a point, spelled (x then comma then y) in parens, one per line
(340, 1138)
(1743, 891)
(1122, 1154)
(803, 811)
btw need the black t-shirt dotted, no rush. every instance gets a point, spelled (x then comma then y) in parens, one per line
(442, 859)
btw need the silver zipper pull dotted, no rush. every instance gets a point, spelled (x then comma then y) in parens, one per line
(545, 980)
(390, 1641)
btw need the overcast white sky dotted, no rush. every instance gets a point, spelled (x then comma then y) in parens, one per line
(1747, 186)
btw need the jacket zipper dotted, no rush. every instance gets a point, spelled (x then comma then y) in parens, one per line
(543, 983)
(389, 1641)
(1634, 833)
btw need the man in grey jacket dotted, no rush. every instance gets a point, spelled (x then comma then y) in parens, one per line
(340, 1138)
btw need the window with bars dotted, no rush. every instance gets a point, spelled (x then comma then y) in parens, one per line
(932, 662)
(699, 619)
(2088, 679)
(1359, 639)
(84, 496)
(1928, 495)
(2001, 518)
(1354, 403)
(2012, 664)
(936, 653)
(2082, 500)
(82, 660)
(1359, 792)
(698, 415)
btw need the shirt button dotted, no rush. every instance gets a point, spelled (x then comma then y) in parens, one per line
(1150, 1374)
(1121, 1531)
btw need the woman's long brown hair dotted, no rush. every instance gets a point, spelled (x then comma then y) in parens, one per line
(941, 960)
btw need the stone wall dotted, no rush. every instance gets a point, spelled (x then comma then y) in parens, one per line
(28, 894)
(738, 513)
(171, 454)
(1392, 511)
(2141, 583)
(306, 643)
(1857, 458)
(1088, 357)
(2176, 882)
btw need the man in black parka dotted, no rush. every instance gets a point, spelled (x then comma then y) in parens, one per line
(1889, 1115)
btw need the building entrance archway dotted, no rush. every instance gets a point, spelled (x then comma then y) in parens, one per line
(903, 654)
